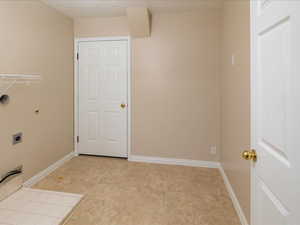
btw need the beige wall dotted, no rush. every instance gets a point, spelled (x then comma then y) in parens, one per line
(235, 92)
(36, 40)
(175, 86)
(99, 27)
(175, 82)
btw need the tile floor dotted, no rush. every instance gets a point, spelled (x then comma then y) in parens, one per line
(118, 192)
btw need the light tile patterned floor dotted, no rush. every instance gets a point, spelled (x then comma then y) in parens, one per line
(118, 192)
(37, 207)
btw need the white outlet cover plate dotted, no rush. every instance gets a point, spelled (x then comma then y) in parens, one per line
(213, 150)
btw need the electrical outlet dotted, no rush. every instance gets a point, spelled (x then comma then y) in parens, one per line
(213, 150)
(17, 138)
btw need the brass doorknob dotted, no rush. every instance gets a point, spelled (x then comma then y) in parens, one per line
(250, 155)
(123, 106)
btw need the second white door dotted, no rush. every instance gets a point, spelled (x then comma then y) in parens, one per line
(276, 122)
(103, 98)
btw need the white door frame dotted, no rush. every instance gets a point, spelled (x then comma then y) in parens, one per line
(253, 102)
(76, 87)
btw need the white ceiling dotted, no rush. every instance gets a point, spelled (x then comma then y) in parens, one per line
(110, 8)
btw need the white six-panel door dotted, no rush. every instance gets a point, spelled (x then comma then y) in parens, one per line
(276, 112)
(103, 82)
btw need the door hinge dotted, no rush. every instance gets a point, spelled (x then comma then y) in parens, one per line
(77, 56)
(77, 139)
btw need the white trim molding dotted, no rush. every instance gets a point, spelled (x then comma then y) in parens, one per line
(172, 161)
(253, 6)
(38, 177)
(233, 197)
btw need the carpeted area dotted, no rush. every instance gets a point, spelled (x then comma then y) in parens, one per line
(118, 192)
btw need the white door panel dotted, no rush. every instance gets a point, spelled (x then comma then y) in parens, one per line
(276, 72)
(103, 77)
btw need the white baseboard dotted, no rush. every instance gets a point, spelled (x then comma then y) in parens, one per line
(35, 179)
(171, 161)
(233, 197)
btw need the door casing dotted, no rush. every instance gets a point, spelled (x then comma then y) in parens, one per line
(76, 88)
(253, 85)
